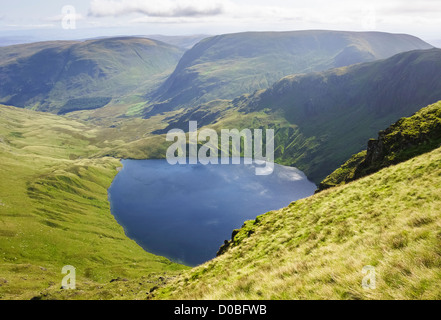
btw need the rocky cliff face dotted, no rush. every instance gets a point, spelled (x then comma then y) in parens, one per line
(407, 138)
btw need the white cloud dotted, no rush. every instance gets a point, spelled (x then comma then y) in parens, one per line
(227, 12)
(224, 16)
(156, 8)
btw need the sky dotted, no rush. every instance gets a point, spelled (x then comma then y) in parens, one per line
(72, 19)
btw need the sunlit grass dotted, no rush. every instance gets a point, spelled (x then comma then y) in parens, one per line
(54, 212)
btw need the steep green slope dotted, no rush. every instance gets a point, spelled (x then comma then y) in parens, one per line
(403, 140)
(48, 76)
(316, 248)
(226, 66)
(54, 212)
(334, 113)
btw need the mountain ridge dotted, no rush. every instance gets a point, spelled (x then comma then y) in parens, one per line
(338, 110)
(244, 62)
(321, 119)
(110, 68)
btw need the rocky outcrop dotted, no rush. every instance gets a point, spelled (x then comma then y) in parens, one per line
(407, 138)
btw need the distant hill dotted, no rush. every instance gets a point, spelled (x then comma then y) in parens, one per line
(335, 112)
(405, 139)
(436, 43)
(47, 76)
(226, 66)
(185, 42)
(13, 40)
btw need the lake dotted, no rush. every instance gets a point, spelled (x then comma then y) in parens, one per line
(185, 212)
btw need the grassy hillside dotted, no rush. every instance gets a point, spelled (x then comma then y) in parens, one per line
(316, 248)
(49, 75)
(54, 212)
(226, 66)
(403, 140)
(334, 113)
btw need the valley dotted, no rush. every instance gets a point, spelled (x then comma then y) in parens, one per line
(70, 111)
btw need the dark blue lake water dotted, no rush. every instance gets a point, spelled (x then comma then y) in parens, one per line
(185, 212)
